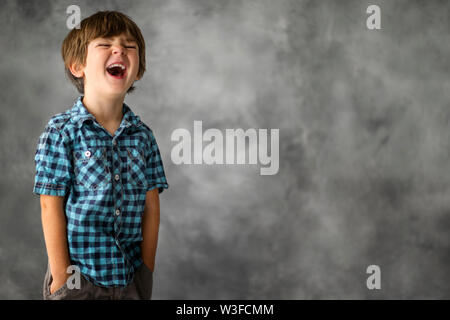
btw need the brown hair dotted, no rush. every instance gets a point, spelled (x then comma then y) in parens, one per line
(102, 24)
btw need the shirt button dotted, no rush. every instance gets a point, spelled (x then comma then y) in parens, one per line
(117, 212)
(115, 142)
(87, 154)
(117, 177)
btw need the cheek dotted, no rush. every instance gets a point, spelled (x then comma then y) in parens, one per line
(136, 63)
(134, 57)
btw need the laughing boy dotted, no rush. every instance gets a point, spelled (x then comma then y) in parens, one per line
(99, 170)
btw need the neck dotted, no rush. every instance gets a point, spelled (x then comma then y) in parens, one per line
(105, 109)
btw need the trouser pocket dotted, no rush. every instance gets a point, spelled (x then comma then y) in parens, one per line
(64, 293)
(58, 294)
(144, 282)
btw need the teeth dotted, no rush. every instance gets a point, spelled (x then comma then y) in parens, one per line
(117, 65)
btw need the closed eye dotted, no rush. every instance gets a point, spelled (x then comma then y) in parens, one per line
(107, 45)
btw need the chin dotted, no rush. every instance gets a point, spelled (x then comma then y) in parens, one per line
(115, 92)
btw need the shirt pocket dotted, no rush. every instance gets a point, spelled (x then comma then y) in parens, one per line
(90, 169)
(136, 168)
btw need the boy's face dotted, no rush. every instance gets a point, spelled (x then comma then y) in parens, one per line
(112, 65)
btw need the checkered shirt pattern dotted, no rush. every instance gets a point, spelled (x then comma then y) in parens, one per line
(104, 180)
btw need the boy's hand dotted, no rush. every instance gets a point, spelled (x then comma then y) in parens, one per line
(148, 267)
(58, 281)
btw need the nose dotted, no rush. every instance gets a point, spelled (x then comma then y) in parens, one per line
(118, 49)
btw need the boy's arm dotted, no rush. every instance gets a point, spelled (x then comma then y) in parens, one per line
(150, 228)
(55, 234)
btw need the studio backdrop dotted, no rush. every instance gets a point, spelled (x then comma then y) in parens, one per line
(306, 144)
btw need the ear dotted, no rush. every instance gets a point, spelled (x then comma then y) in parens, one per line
(76, 70)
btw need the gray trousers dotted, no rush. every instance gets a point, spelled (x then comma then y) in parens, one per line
(139, 289)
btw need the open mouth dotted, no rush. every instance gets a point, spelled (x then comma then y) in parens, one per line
(116, 70)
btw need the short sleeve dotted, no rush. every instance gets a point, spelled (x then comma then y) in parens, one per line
(156, 177)
(53, 164)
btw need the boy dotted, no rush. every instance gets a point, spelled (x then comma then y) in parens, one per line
(99, 170)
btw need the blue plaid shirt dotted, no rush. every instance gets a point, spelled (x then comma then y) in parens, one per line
(104, 180)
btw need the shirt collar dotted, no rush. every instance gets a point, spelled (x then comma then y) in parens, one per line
(79, 114)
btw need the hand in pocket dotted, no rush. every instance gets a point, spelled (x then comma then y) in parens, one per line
(57, 283)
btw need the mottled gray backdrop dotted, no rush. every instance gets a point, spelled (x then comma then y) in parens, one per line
(364, 124)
